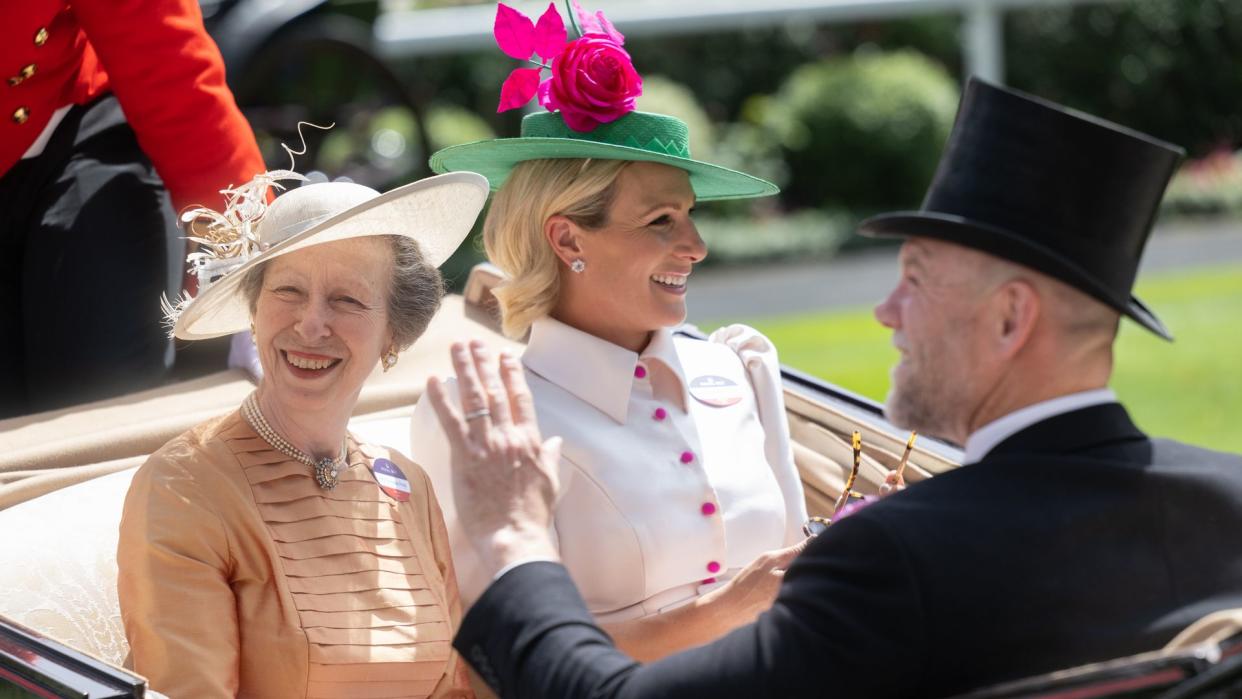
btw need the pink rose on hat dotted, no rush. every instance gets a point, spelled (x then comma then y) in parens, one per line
(592, 80)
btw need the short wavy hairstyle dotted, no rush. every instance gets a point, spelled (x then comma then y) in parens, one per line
(414, 291)
(580, 189)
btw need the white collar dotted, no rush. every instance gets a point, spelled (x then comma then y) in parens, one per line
(985, 439)
(592, 369)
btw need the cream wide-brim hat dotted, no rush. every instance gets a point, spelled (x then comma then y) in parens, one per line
(437, 213)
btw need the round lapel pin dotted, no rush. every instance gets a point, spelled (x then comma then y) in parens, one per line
(716, 391)
(391, 480)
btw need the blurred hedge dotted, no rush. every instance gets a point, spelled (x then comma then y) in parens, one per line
(864, 131)
(1210, 186)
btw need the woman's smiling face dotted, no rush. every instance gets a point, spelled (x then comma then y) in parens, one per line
(638, 263)
(321, 322)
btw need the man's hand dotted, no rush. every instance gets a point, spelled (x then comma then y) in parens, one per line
(754, 588)
(504, 474)
(893, 483)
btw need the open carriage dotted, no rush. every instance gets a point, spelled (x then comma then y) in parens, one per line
(64, 476)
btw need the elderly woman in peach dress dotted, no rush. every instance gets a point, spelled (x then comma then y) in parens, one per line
(268, 552)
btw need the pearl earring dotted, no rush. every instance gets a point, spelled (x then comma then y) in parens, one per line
(577, 265)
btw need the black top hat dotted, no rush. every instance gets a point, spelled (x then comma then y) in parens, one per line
(1060, 191)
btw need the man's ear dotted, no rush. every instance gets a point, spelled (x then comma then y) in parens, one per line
(564, 236)
(1019, 307)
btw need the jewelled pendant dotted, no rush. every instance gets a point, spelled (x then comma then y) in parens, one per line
(326, 474)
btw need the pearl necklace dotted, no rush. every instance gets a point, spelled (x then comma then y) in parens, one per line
(327, 471)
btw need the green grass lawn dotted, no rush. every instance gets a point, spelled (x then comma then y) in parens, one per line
(1190, 390)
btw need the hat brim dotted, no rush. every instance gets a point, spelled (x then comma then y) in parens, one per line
(495, 159)
(437, 213)
(1010, 246)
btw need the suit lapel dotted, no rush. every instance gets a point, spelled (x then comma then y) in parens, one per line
(1078, 430)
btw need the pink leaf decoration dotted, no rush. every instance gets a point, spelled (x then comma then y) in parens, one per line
(550, 34)
(609, 30)
(518, 88)
(515, 33)
(544, 92)
(586, 23)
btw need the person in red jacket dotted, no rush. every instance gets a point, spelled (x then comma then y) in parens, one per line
(110, 110)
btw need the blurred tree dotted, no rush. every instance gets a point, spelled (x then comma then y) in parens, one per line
(862, 132)
(728, 68)
(1167, 67)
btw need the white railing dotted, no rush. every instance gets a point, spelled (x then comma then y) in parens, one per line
(401, 34)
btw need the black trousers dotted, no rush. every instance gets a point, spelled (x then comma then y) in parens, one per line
(88, 243)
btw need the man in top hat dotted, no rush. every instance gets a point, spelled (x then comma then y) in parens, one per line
(1068, 536)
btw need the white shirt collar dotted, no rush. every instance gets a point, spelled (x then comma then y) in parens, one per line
(592, 369)
(985, 439)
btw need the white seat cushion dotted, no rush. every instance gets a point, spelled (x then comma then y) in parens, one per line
(58, 565)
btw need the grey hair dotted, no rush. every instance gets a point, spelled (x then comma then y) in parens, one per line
(414, 291)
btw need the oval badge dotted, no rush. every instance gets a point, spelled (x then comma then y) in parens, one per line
(716, 391)
(391, 480)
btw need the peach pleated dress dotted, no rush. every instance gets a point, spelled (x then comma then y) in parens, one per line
(240, 576)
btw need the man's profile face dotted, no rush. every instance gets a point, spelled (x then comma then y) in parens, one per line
(933, 314)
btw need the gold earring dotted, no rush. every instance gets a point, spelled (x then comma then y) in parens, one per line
(390, 359)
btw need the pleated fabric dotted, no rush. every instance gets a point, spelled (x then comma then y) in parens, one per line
(373, 613)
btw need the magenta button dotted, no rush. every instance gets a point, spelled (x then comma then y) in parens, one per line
(713, 567)
(708, 509)
(687, 457)
(659, 414)
(640, 372)
(708, 581)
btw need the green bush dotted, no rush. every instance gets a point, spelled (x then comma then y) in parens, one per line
(726, 68)
(862, 132)
(449, 125)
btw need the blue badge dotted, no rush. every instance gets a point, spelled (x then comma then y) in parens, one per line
(391, 480)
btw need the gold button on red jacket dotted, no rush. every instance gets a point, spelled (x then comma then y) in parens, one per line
(158, 60)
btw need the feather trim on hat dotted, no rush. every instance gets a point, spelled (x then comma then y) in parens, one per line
(226, 239)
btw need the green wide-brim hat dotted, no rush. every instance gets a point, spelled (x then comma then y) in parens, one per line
(640, 136)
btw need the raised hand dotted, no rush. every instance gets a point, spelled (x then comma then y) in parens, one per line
(504, 473)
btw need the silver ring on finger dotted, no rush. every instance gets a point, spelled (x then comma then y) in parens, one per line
(474, 414)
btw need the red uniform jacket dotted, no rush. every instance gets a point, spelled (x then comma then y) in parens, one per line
(155, 56)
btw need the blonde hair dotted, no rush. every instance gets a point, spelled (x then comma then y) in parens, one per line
(579, 189)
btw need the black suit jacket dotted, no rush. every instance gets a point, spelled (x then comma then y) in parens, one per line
(1076, 540)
